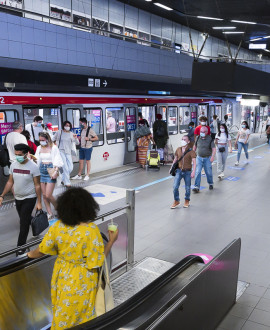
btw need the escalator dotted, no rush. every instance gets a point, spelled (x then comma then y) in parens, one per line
(154, 294)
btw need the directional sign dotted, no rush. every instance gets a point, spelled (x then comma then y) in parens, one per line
(90, 82)
(97, 82)
(258, 157)
(236, 168)
(232, 178)
(104, 194)
(105, 83)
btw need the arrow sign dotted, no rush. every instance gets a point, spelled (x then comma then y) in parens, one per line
(105, 83)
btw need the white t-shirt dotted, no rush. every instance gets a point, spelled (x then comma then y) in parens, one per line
(243, 134)
(36, 130)
(223, 138)
(12, 139)
(23, 176)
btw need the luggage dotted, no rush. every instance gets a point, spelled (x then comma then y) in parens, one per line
(39, 222)
(153, 159)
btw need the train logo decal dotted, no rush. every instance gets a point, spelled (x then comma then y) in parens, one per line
(106, 155)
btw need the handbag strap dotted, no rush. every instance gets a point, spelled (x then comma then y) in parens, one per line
(104, 269)
(34, 138)
(178, 161)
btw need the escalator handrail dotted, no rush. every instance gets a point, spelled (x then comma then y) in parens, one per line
(140, 297)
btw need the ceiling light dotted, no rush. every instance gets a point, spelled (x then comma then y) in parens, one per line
(148, 0)
(250, 102)
(267, 50)
(233, 32)
(204, 17)
(266, 37)
(257, 46)
(255, 39)
(243, 22)
(223, 27)
(162, 6)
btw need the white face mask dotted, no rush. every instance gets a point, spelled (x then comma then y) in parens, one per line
(43, 143)
(203, 123)
(222, 130)
(67, 128)
(183, 143)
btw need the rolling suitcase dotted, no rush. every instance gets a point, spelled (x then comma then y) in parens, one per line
(153, 159)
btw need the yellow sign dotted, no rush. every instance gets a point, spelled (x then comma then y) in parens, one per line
(2, 117)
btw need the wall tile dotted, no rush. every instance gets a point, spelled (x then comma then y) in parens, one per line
(15, 49)
(40, 53)
(4, 48)
(14, 32)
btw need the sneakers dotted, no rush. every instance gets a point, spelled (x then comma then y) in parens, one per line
(196, 190)
(236, 163)
(86, 178)
(186, 205)
(211, 187)
(221, 175)
(175, 204)
(50, 217)
(77, 177)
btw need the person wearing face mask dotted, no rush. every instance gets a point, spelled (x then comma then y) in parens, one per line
(191, 132)
(88, 136)
(48, 156)
(14, 138)
(34, 129)
(65, 140)
(223, 143)
(25, 179)
(186, 158)
(214, 127)
(242, 141)
(206, 150)
(203, 122)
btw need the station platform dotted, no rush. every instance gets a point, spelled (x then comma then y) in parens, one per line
(237, 207)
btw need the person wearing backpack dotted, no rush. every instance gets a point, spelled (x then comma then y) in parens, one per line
(88, 136)
(14, 138)
(160, 135)
(34, 129)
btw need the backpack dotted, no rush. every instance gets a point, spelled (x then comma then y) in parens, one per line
(160, 131)
(4, 155)
(87, 133)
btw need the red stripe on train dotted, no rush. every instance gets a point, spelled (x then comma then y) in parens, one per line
(24, 100)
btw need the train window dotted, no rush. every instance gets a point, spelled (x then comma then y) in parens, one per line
(49, 115)
(202, 110)
(173, 122)
(95, 120)
(8, 116)
(131, 127)
(218, 112)
(163, 111)
(115, 125)
(148, 113)
(73, 115)
(184, 117)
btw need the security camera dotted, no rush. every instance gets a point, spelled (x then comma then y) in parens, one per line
(9, 86)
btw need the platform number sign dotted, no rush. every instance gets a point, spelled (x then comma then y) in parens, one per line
(131, 123)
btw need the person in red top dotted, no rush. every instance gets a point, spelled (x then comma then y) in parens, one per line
(31, 144)
(203, 122)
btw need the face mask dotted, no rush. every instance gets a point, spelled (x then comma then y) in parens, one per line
(43, 143)
(183, 143)
(189, 127)
(38, 124)
(202, 134)
(20, 159)
(243, 126)
(203, 123)
(222, 130)
(67, 128)
(82, 126)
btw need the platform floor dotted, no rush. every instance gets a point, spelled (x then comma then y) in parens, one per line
(237, 207)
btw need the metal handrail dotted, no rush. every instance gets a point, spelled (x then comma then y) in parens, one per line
(39, 240)
(89, 28)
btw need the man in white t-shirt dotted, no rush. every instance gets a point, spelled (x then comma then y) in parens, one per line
(14, 138)
(34, 129)
(25, 179)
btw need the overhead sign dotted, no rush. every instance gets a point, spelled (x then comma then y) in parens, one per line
(90, 82)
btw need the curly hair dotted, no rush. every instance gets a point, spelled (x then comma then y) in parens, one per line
(76, 205)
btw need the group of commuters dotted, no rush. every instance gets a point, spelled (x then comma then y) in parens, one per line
(37, 160)
(198, 150)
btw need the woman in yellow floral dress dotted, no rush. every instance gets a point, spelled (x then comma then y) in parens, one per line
(79, 246)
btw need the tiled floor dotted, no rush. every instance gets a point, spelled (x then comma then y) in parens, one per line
(233, 209)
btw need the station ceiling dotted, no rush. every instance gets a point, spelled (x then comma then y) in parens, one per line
(186, 12)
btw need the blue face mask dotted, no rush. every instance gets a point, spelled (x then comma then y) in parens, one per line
(190, 127)
(20, 159)
(38, 124)
(243, 126)
(202, 134)
(82, 126)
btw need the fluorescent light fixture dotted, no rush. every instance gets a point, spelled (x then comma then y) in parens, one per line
(162, 6)
(256, 39)
(266, 37)
(242, 22)
(148, 0)
(214, 18)
(233, 32)
(267, 50)
(250, 102)
(223, 27)
(257, 46)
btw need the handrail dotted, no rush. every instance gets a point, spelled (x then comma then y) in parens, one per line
(39, 240)
(89, 28)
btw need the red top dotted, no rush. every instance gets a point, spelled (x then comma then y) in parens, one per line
(32, 145)
(198, 128)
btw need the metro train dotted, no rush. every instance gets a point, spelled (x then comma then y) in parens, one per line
(115, 148)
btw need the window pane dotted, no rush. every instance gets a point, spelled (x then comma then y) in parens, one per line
(95, 120)
(184, 117)
(115, 125)
(49, 115)
(131, 127)
(163, 112)
(173, 122)
(148, 113)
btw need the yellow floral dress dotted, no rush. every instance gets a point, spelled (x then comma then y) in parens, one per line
(80, 251)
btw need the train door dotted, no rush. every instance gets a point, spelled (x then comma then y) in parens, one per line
(194, 113)
(212, 112)
(131, 119)
(219, 112)
(203, 111)
(173, 119)
(148, 113)
(184, 117)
